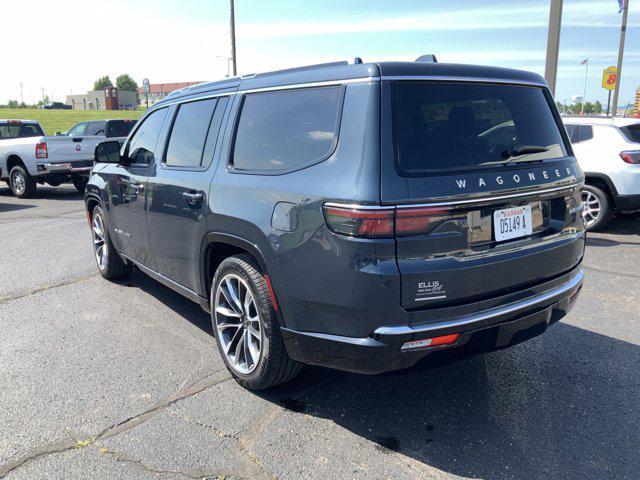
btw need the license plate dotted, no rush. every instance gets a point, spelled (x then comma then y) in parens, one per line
(512, 223)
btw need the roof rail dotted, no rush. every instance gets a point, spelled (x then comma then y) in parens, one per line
(306, 67)
(430, 58)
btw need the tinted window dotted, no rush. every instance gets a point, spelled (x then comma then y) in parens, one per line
(189, 133)
(632, 132)
(9, 131)
(95, 128)
(17, 130)
(287, 129)
(579, 133)
(453, 126)
(142, 147)
(572, 131)
(78, 130)
(119, 128)
(214, 131)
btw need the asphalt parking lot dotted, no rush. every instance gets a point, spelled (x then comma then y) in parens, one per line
(114, 381)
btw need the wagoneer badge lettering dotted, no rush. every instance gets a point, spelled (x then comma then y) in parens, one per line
(516, 178)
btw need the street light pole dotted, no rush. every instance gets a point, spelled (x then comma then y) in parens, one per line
(553, 44)
(623, 31)
(233, 39)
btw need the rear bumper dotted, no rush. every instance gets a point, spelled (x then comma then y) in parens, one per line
(81, 166)
(483, 331)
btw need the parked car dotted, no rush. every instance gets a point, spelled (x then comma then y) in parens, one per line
(350, 215)
(115, 129)
(28, 157)
(608, 150)
(56, 106)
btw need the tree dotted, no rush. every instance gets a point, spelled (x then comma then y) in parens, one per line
(125, 83)
(12, 104)
(597, 107)
(102, 83)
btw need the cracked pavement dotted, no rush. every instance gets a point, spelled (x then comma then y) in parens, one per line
(122, 380)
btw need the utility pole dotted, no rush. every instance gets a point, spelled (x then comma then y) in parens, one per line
(553, 44)
(623, 31)
(21, 95)
(584, 92)
(233, 40)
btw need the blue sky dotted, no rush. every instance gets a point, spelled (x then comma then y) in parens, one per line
(188, 40)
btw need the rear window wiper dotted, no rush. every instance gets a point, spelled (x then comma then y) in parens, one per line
(512, 153)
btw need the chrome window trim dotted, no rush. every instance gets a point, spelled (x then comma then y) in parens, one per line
(463, 79)
(469, 320)
(453, 202)
(276, 88)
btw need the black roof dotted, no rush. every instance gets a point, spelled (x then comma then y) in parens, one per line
(344, 70)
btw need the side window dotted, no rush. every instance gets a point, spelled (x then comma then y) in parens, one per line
(214, 131)
(189, 133)
(586, 132)
(78, 130)
(287, 129)
(572, 131)
(29, 130)
(96, 128)
(142, 146)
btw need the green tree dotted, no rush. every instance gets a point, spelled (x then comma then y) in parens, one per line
(125, 83)
(588, 108)
(597, 107)
(102, 83)
(13, 104)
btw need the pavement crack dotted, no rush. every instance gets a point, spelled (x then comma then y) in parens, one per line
(191, 473)
(131, 422)
(71, 281)
(248, 463)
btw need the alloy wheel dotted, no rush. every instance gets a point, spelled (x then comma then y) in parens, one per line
(99, 241)
(590, 208)
(238, 324)
(18, 182)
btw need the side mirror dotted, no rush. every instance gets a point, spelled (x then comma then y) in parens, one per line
(58, 134)
(107, 152)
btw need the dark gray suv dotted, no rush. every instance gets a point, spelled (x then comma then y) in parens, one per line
(356, 216)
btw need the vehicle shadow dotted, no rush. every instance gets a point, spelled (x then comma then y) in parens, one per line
(563, 405)
(49, 193)
(627, 225)
(10, 207)
(540, 410)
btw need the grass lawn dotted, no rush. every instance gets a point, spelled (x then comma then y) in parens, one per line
(53, 121)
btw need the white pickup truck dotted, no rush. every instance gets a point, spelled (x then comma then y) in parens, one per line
(28, 157)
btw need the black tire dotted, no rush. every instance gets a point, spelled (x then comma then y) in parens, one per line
(598, 199)
(112, 266)
(21, 183)
(80, 182)
(274, 365)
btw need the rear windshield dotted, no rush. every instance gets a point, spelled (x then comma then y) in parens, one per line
(20, 130)
(632, 132)
(119, 128)
(458, 126)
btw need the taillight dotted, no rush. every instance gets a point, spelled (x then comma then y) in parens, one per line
(631, 156)
(41, 150)
(383, 222)
(357, 222)
(415, 221)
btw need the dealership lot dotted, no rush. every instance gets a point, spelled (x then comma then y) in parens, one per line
(104, 380)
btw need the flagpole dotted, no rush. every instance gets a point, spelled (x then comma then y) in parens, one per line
(553, 44)
(584, 93)
(623, 31)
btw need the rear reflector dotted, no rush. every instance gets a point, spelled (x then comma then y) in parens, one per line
(360, 222)
(632, 156)
(41, 150)
(430, 342)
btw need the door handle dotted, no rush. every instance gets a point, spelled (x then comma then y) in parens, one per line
(193, 197)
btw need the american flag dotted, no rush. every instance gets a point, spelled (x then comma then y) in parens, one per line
(585, 61)
(621, 4)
